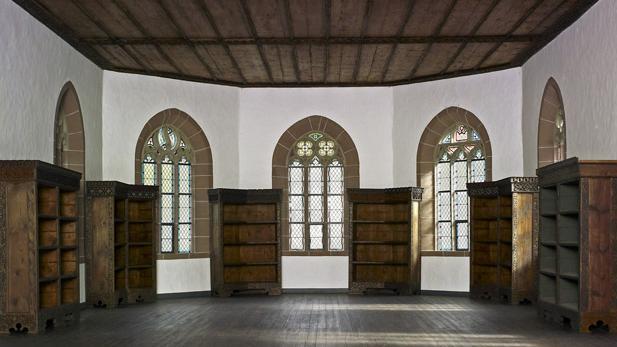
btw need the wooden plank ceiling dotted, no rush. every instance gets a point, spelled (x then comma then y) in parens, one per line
(287, 43)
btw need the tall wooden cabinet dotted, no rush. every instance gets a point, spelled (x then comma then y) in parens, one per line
(245, 242)
(578, 244)
(39, 272)
(384, 243)
(121, 237)
(504, 239)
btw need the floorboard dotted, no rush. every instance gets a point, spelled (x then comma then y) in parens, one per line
(313, 320)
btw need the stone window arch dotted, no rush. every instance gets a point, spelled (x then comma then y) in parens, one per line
(69, 147)
(319, 147)
(551, 126)
(428, 158)
(173, 152)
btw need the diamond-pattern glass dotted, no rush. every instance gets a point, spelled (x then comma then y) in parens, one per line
(443, 206)
(184, 208)
(478, 170)
(459, 175)
(148, 173)
(444, 236)
(184, 238)
(296, 236)
(462, 236)
(296, 209)
(460, 206)
(315, 208)
(167, 208)
(184, 178)
(167, 176)
(316, 236)
(443, 176)
(335, 231)
(315, 180)
(166, 238)
(296, 180)
(335, 178)
(335, 208)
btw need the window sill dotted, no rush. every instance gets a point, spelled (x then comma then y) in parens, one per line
(445, 253)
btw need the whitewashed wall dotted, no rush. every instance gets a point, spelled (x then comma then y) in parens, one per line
(582, 61)
(34, 66)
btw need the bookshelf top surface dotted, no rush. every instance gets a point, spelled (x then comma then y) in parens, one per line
(572, 169)
(505, 186)
(46, 173)
(121, 190)
(228, 195)
(385, 194)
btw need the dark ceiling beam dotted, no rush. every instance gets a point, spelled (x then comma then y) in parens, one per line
(367, 14)
(206, 11)
(327, 20)
(430, 44)
(472, 33)
(562, 24)
(312, 40)
(181, 33)
(512, 30)
(408, 13)
(56, 25)
(248, 21)
(101, 26)
(291, 33)
(145, 32)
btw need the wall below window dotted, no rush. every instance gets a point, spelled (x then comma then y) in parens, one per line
(449, 274)
(182, 275)
(315, 272)
(582, 61)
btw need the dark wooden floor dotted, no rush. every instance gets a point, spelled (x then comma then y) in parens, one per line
(314, 320)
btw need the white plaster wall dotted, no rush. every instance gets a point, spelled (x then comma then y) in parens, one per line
(182, 275)
(445, 274)
(129, 101)
(315, 272)
(365, 113)
(582, 61)
(495, 98)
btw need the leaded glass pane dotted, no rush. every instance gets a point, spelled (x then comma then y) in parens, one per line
(460, 205)
(296, 236)
(315, 208)
(462, 236)
(444, 236)
(335, 231)
(478, 170)
(148, 173)
(335, 208)
(167, 176)
(315, 179)
(335, 178)
(459, 175)
(475, 136)
(184, 178)
(460, 135)
(316, 236)
(166, 238)
(167, 208)
(296, 209)
(296, 180)
(443, 176)
(184, 209)
(184, 238)
(443, 206)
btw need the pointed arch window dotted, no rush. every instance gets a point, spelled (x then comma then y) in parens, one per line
(460, 159)
(166, 162)
(316, 193)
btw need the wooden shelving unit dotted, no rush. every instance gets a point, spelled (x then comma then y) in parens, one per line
(578, 244)
(504, 239)
(39, 274)
(245, 252)
(384, 244)
(121, 220)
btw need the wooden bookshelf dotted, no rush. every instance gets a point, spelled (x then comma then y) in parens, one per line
(121, 237)
(39, 272)
(578, 244)
(504, 234)
(245, 242)
(384, 244)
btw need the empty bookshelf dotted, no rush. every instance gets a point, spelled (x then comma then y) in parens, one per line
(504, 231)
(578, 244)
(121, 241)
(384, 240)
(39, 272)
(245, 242)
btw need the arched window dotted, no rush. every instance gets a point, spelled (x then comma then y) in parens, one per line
(552, 126)
(316, 192)
(460, 159)
(166, 162)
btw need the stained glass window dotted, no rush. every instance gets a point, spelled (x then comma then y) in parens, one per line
(316, 195)
(460, 160)
(167, 163)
